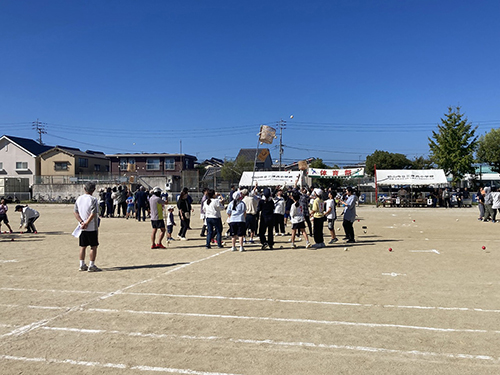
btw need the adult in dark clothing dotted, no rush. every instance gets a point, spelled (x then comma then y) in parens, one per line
(184, 214)
(141, 201)
(102, 203)
(265, 210)
(109, 203)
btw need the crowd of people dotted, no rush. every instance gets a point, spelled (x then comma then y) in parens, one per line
(251, 213)
(265, 213)
(488, 202)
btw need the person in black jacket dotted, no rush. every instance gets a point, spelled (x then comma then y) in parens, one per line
(265, 210)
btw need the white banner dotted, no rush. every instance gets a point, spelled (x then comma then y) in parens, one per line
(331, 173)
(270, 178)
(411, 177)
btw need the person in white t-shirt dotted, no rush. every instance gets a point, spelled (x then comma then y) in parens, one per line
(87, 214)
(331, 215)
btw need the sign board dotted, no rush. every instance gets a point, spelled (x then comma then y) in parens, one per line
(333, 173)
(269, 178)
(411, 177)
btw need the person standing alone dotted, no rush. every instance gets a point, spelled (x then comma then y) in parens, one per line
(86, 212)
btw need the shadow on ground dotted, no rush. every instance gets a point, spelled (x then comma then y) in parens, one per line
(145, 266)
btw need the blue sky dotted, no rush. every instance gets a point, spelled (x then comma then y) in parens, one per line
(201, 76)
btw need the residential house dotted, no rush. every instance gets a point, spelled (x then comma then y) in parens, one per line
(174, 169)
(262, 157)
(65, 164)
(19, 164)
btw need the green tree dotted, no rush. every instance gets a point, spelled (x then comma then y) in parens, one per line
(386, 160)
(452, 146)
(489, 149)
(421, 163)
(233, 169)
(318, 164)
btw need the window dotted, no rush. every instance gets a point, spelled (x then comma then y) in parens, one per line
(1, 166)
(169, 164)
(124, 164)
(153, 164)
(61, 165)
(107, 168)
(21, 165)
(83, 162)
(97, 167)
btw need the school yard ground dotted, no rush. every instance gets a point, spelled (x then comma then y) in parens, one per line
(429, 306)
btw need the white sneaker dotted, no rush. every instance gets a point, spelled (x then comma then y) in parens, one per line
(242, 249)
(308, 245)
(299, 239)
(233, 248)
(183, 239)
(294, 246)
(93, 269)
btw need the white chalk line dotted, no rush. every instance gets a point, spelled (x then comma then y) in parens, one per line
(27, 328)
(278, 343)
(243, 317)
(110, 365)
(256, 299)
(9, 261)
(290, 320)
(425, 251)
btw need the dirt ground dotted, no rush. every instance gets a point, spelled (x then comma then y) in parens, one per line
(431, 306)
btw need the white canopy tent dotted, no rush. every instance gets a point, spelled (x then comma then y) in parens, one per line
(411, 177)
(270, 178)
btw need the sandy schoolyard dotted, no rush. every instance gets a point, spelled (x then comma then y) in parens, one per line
(430, 306)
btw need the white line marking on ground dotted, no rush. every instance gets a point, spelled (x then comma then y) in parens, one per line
(291, 320)
(27, 328)
(425, 251)
(110, 365)
(260, 300)
(9, 261)
(394, 274)
(280, 343)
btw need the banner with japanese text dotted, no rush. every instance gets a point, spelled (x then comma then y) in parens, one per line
(333, 173)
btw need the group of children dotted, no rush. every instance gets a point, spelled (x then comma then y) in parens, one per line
(28, 217)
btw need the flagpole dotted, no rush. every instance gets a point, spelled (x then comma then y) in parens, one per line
(256, 154)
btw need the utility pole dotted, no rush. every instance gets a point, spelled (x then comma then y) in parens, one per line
(40, 129)
(281, 126)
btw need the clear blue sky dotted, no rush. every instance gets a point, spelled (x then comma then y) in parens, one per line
(132, 76)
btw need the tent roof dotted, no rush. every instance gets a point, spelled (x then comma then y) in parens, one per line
(411, 177)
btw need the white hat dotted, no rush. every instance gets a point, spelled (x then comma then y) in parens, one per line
(170, 207)
(318, 192)
(236, 195)
(156, 189)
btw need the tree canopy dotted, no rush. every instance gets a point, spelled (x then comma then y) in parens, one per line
(233, 169)
(452, 146)
(386, 160)
(489, 149)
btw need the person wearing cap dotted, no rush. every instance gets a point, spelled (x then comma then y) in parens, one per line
(28, 217)
(3, 215)
(170, 222)
(349, 214)
(251, 201)
(265, 210)
(86, 212)
(156, 206)
(212, 208)
(236, 211)
(279, 213)
(317, 213)
(130, 205)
